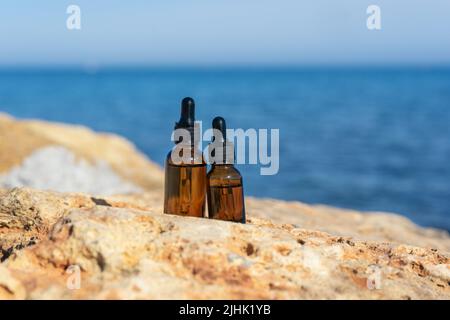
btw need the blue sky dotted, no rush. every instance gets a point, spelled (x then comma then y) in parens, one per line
(224, 32)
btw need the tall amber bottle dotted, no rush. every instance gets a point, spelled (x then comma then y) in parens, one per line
(185, 181)
(224, 182)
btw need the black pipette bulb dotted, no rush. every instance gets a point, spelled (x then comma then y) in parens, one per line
(219, 124)
(187, 118)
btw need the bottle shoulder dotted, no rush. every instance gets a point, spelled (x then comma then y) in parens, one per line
(224, 175)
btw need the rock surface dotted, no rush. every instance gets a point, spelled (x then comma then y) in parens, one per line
(75, 245)
(74, 153)
(38, 171)
(128, 249)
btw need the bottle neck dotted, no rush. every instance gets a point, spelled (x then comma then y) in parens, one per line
(186, 135)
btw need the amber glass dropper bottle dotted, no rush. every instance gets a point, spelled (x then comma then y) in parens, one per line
(185, 182)
(224, 182)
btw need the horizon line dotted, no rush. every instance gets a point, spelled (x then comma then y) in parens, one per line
(87, 68)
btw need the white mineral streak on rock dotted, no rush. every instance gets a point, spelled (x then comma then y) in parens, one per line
(58, 169)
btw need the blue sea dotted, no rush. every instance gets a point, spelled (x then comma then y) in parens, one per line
(361, 138)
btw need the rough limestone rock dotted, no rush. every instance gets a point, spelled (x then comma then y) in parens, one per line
(82, 245)
(373, 226)
(65, 246)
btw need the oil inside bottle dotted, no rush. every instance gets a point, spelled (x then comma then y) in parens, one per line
(226, 203)
(185, 194)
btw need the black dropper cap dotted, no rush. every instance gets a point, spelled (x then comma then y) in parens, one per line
(187, 118)
(219, 124)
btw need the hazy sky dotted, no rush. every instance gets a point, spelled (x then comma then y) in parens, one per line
(218, 32)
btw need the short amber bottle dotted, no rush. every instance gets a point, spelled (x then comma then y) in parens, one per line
(185, 182)
(224, 182)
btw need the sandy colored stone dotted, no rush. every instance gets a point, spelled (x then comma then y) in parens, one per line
(27, 215)
(365, 226)
(373, 226)
(10, 287)
(20, 138)
(127, 250)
